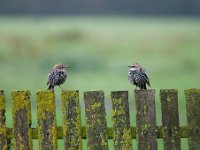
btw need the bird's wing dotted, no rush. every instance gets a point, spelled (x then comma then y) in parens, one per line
(48, 80)
(145, 76)
(148, 82)
(50, 76)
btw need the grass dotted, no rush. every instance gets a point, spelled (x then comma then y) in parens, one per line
(98, 50)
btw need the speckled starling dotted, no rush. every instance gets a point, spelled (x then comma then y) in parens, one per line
(57, 76)
(138, 76)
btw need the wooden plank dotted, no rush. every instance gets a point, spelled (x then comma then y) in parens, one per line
(96, 120)
(146, 119)
(71, 120)
(170, 119)
(21, 112)
(3, 138)
(193, 111)
(121, 120)
(46, 114)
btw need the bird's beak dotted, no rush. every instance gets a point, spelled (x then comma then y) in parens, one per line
(67, 67)
(129, 66)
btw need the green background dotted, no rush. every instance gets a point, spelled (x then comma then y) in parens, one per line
(98, 50)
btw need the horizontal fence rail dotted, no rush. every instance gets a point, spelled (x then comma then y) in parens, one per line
(146, 131)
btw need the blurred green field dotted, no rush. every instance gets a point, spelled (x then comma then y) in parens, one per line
(98, 50)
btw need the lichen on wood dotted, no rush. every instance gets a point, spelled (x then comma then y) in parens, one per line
(96, 126)
(3, 138)
(192, 106)
(46, 114)
(21, 112)
(96, 132)
(121, 120)
(71, 120)
(170, 119)
(146, 119)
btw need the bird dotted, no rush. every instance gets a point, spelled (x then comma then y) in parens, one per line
(138, 76)
(57, 76)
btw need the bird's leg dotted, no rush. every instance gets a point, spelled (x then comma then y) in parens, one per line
(137, 88)
(61, 88)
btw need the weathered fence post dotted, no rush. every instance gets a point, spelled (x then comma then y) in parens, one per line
(71, 120)
(121, 120)
(3, 138)
(146, 119)
(46, 114)
(170, 119)
(193, 117)
(95, 120)
(21, 111)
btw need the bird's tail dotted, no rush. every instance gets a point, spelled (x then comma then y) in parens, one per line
(50, 87)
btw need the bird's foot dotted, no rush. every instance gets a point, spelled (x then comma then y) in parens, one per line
(61, 88)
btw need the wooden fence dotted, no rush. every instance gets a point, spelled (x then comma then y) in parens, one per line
(96, 131)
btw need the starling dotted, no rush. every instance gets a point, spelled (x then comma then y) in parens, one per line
(57, 76)
(138, 76)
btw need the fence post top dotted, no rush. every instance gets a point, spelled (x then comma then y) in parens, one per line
(93, 91)
(193, 90)
(145, 91)
(68, 91)
(113, 92)
(168, 90)
(44, 92)
(21, 92)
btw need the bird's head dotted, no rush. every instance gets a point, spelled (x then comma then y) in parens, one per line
(60, 66)
(134, 66)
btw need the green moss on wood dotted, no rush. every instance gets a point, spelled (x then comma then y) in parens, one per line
(170, 119)
(60, 132)
(192, 106)
(3, 138)
(121, 120)
(110, 132)
(133, 132)
(159, 132)
(126, 142)
(95, 120)
(146, 119)
(191, 130)
(21, 112)
(45, 102)
(83, 133)
(183, 132)
(46, 112)
(2, 130)
(2, 100)
(71, 120)
(191, 91)
(34, 133)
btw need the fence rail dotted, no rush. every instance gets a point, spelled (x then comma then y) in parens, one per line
(96, 131)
